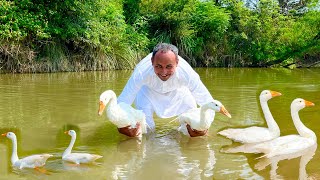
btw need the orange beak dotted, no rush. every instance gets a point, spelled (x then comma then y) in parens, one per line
(101, 108)
(308, 103)
(224, 111)
(275, 93)
(4, 134)
(66, 132)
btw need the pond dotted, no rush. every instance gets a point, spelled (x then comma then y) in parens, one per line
(39, 108)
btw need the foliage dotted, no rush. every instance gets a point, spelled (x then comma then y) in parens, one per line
(267, 36)
(196, 27)
(77, 35)
(90, 34)
(20, 19)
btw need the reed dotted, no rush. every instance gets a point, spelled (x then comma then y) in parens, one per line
(56, 57)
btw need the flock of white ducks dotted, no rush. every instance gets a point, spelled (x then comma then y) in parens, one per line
(256, 139)
(38, 160)
(291, 143)
(275, 145)
(124, 115)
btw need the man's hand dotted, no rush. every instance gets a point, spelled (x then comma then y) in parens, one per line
(131, 132)
(195, 133)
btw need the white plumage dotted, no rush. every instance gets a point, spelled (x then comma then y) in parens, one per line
(77, 158)
(256, 134)
(291, 143)
(121, 114)
(33, 161)
(199, 118)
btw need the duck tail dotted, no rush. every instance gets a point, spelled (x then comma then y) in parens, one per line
(229, 133)
(260, 157)
(46, 156)
(97, 156)
(267, 152)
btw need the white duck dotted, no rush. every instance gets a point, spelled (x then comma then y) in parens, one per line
(199, 118)
(256, 134)
(33, 161)
(121, 114)
(77, 158)
(291, 143)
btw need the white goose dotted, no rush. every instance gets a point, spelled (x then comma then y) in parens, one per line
(256, 134)
(33, 161)
(199, 118)
(291, 143)
(121, 114)
(77, 158)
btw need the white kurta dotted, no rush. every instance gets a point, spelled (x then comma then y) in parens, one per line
(181, 92)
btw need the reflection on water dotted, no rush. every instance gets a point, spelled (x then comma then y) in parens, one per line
(40, 107)
(306, 155)
(196, 160)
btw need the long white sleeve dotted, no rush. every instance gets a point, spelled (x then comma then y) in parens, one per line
(199, 91)
(131, 89)
(194, 83)
(136, 81)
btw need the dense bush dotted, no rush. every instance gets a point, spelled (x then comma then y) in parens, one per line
(68, 35)
(75, 35)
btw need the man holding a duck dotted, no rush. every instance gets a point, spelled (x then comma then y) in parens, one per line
(166, 84)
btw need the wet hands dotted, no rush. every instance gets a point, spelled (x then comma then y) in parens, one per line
(134, 132)
(129, 131)
(195, 133)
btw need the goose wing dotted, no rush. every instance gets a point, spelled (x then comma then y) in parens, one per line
(252, 134)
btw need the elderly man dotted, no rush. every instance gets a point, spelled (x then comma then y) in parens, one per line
(166, 84)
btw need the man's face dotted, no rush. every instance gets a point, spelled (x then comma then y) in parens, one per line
(164, 64)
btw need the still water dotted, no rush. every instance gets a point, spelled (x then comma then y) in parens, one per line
(40, 107)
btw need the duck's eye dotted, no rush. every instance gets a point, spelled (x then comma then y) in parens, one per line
(216, 104)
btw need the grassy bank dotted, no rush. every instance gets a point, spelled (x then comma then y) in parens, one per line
(46, 36)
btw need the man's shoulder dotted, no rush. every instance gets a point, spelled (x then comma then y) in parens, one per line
(145, 62)
(144, 66)
(185, 68)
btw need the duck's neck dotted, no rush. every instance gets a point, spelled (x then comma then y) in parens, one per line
(272, 125)
(112, 108)
(68, 150)
(301, 128)
(205, 120)
(14, 156)
(113, 101)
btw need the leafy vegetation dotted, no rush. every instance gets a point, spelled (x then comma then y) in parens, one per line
(76, 35)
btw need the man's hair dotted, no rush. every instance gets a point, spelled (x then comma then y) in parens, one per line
(165, 47)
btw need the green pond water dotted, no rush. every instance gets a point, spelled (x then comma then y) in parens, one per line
(40, 107)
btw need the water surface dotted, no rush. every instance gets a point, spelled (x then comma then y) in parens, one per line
(40, 107)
